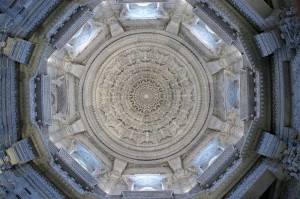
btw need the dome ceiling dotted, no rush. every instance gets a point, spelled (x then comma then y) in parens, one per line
(146, 95)
(149, 99)
(130, 92)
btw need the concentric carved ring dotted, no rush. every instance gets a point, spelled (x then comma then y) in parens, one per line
(146, 96)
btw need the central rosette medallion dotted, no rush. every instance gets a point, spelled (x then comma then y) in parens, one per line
(145, 96)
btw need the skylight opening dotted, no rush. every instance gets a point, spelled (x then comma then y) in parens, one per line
(207, 156)
(205, 35)
(143, 4)
(147, 189)
(146, 182)
(135, 11)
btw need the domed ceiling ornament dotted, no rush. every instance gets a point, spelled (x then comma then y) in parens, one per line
(146, 96)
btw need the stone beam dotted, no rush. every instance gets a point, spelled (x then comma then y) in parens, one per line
(254, 184)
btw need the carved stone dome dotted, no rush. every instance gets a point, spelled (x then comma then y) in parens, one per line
(143, 99)
(147, 94)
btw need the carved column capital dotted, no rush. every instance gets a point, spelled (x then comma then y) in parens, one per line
(284, 156)
(218, 125)
(17, 49)
(74, 69)
(180, 174)
(115, 175)
(21, 152)
(114, 26)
